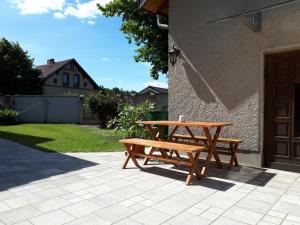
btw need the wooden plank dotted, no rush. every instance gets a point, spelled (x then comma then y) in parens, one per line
(202, 138)
(163, 159)
(164, 145)
(177, 123)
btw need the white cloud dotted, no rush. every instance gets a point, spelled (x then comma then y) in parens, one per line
(91, 22)
(105, 59)
(87, 10)
(59, 15)
(120, 81)
(156, 84)
(37, 6)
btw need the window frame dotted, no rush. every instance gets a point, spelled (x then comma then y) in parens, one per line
(66, 84)
(76, 85)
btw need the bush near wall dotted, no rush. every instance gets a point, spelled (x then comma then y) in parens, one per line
(8, 116)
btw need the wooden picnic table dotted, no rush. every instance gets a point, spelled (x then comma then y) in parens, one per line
(206, 127)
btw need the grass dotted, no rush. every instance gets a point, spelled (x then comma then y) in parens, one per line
(62, 137)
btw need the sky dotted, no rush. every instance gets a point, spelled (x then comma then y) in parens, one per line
(64, 29)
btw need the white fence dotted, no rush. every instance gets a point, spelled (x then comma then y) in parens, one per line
(47, 109)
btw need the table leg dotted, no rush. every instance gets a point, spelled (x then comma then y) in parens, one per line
(130, 150)
(233, 148)
(193, 168)
(211, 150)
(150, 154)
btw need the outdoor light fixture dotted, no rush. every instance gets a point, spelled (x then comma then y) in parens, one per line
(173, 54)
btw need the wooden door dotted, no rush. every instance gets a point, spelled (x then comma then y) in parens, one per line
(282, 110)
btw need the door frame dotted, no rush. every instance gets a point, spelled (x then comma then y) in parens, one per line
(263, 106)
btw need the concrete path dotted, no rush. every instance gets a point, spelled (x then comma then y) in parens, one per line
(38, 188)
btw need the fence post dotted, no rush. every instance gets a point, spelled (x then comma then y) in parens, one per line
(81, 110)
(46, 108)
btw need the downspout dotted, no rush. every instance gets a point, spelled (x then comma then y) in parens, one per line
(162, 26)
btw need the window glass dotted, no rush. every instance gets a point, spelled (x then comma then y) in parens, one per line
(76, 80)
(66, 79)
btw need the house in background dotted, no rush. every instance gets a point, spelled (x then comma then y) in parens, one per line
(239, 61)
(159, 96)
(59, 78)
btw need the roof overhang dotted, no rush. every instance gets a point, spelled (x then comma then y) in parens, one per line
(157, 7)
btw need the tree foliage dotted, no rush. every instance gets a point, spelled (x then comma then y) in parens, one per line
(105, 103)
(17, 75)
(141, 28)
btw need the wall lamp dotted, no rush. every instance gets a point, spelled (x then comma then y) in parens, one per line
(173, 54)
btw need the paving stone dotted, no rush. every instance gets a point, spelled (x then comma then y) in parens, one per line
(227, 221)
(170, 207)
(150, 216)
(186, 218)
(138, 207)
(220, 202)
(127, 203)
(76, 199)
(18, 215)
(209, 216)
(243, 215)
(90, 219)
(292, 218)
(287, 208)
(4, 207)
(195, 211)
(286, 222)
(272, 219)
(51, 204)
(106, 200)
(22, 201)
(115, 213)
(257, 206)
(265, 223)
(57, 217)
(23, 223)
(75, 186)
(81, 209)
(276, 214)
(128, 221)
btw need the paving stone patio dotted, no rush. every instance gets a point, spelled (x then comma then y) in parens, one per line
(38, 188)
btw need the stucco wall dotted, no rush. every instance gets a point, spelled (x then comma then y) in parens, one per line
(219, 74)
(51, 88)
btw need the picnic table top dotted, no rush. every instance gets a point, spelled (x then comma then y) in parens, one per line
(187, 123)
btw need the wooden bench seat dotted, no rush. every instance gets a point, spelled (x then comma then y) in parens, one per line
(193, 152)
(232, 142)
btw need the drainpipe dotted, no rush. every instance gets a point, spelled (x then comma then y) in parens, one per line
(162, 26)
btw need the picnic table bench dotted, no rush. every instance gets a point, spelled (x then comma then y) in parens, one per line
(232, 142)
(192, 151)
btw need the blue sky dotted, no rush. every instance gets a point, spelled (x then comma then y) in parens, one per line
(63, 29)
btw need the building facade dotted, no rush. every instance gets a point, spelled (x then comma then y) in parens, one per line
(66, 77)
(239, 62)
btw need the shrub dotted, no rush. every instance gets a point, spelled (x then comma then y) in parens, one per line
(126, 120)
(104, 105)
(8, 116)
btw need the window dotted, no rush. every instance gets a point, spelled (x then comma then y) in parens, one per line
(76, 80)
(85, 84)
(66, 79)
(55, 80)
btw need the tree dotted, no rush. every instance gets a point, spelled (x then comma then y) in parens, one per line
(141, 27)
(17, 75)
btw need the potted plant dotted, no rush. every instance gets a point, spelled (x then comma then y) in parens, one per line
(125, 122)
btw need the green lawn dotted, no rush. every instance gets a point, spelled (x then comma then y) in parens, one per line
(62, 137)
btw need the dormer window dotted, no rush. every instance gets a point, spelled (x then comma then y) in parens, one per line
(66, 79)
